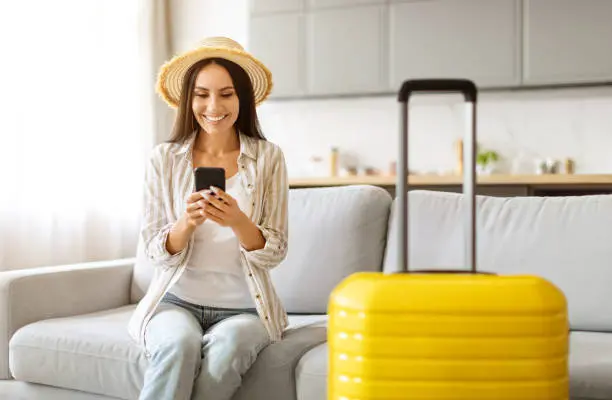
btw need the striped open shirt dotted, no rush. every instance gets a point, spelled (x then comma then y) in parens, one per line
(169, 181)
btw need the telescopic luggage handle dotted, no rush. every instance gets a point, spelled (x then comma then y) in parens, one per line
(469, 91)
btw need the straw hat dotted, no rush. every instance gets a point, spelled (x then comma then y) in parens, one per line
(171, 74)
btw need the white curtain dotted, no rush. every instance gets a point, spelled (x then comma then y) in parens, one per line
(77, 120)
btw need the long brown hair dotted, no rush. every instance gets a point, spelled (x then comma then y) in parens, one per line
(247, 122)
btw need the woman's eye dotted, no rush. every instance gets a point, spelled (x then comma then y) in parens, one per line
(226, 95)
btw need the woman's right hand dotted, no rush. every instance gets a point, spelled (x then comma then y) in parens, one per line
(182, 230)
(194, 214)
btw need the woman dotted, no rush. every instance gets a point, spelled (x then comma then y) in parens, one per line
(211, 307)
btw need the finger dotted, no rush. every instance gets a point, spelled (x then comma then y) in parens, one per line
(220, 204)
(197, 214)
(215, 219)
(198, 205)
(210, 210)
(195, 196)
(223, 195)
(195, 206)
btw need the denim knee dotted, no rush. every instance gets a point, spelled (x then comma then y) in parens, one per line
(181, 348)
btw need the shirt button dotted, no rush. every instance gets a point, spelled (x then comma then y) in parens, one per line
(250, 274)
(258, 296)
(250, 186)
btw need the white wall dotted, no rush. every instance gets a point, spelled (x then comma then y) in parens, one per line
(193, 20)
(558, 124)
(573, 123)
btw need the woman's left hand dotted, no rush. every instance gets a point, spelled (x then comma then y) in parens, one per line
(225, 210)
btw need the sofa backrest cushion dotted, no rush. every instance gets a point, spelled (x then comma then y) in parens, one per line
(333, 232)
(566, 240)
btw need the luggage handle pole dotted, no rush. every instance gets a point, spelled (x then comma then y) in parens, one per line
(469, 91)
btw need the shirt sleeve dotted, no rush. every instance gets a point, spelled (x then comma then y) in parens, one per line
(274, 222)
(156, 225)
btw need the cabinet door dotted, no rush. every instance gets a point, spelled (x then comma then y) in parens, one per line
(345, 51)
(473, 39)
(259, 7)
(277, 40)
(311, 4)
(568, 41)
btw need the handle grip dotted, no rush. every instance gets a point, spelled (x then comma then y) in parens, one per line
(469, 91)
(463, 86)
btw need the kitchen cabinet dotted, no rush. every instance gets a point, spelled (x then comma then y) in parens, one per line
(260, 7)
(473, 39)
(278, 41)
(567, 41)
(345, 50)
(332, 48)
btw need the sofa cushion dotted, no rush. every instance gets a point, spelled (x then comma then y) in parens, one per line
(93, 353)
(18, 390)
(563, 239)
(276, 364)
(333, 232)
(590, 365)
(311, 374)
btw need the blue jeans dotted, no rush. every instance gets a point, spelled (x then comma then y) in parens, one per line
(199, 353)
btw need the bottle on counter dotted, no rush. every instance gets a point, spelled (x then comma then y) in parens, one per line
(459, 155)
(392, 168)
(333, 162)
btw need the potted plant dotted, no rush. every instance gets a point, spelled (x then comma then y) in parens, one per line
(486, 161)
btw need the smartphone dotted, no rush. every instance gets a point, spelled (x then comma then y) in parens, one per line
(205, 177)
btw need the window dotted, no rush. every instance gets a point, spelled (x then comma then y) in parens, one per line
(71, 144)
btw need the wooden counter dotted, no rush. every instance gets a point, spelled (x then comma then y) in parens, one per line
(426, 180)
(495, 185)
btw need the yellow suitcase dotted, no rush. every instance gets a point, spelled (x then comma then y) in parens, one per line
(461, 334)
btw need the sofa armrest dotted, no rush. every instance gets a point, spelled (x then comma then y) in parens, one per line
(35, 294)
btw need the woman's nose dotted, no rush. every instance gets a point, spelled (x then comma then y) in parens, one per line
(213, 103)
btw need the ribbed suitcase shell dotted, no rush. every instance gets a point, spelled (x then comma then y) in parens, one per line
(447, 336)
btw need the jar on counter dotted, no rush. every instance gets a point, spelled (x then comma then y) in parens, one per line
(547, 166)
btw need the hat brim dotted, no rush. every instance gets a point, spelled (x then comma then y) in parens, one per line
(172, 73)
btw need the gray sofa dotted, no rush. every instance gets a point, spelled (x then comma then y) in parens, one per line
(65, 335)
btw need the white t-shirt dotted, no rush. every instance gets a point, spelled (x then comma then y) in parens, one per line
(213, 275)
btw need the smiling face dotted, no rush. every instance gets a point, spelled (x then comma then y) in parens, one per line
(216, 88)
(215, 103)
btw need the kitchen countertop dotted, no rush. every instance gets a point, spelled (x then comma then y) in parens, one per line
(433, 180)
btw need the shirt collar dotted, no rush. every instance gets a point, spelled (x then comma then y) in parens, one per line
(248, 146)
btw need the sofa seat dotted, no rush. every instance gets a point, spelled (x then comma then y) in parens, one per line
(311, 374)
(91, 353)
(590, 365)
(94, 353)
